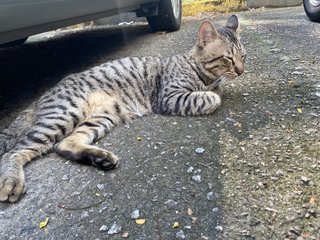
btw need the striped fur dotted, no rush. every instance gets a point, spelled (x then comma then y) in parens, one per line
(84, 107)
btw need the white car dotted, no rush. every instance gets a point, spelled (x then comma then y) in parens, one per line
(20, 19)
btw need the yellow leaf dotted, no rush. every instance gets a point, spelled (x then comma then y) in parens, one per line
(97, 194)
(175, 225)
(140, 221)
(313, 201)
(139, 138)
(44, 223)
(290, 81)
(299, 110)
(189, 211)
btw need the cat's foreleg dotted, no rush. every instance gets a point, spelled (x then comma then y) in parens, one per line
(12, 181)
(191, 103)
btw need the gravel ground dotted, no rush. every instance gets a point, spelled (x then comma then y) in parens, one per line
(249, 171)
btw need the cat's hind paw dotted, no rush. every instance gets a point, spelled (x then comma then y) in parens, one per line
(103, 159)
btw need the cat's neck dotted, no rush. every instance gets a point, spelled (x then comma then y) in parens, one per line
(207, 79)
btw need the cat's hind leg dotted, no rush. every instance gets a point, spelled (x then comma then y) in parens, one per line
(77, 145)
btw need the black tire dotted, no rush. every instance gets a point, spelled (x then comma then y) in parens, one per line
(312, 8)
(14, 43)
(168, 19)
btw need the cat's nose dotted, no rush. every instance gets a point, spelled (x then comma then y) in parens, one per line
(239, 70)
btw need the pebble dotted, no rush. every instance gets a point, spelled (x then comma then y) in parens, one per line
(65, 178)
(103, 228)
(199, 150)
(266, 138)
(210, 196)
(114, 229)
(84, 215)
(125, 235)
(279, 173)
(219, 228)
(305, 180)
(100, 186)
(190, 169)
(215, 210)
(180, 235)
(197, 178)
(135, 214)
(170, 203)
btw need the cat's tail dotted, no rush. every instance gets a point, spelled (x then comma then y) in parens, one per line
(10, 135)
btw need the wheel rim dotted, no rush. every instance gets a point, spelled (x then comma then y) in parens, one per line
(315, 3)
(176, 7)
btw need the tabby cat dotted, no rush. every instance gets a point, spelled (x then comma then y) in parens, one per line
(83, 107)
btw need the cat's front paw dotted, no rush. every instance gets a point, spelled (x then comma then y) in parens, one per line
(12, 185)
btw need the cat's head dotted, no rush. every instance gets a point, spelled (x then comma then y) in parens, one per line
(219, 52)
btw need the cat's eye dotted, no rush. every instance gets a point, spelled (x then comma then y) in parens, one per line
(230, 59)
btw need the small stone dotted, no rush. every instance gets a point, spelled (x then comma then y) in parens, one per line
(219, 228)
(103, 228)
(215, 210)
(170, 203)
(190, 169)
(199, 150)
(197, 178)
(125, 235)
(297, 73)
(84, 215)
(210, 196)
(135, 214)
(114, 229)
(180, 235)
(279, 173)
(100, 186)
(305, 180)
(65, 178)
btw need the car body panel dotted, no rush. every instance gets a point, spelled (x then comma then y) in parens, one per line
(22, 18)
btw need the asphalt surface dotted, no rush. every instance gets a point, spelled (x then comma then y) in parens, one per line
(249, 171)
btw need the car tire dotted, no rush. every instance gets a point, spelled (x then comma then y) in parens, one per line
(169, 17)
(312, 8)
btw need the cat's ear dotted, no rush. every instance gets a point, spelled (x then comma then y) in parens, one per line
(233, 23)
(207, 33)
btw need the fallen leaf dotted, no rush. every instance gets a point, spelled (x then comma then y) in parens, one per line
(237, 125)
(189, 211)
(290, 81)
(194, 219)
(97, 194)
(313, 201)
(125, 235)
(140, 221)
(44, 223)
(139, 138)
(299, 110)
(175, 225)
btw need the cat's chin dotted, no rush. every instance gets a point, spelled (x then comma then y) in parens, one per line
(231, 75)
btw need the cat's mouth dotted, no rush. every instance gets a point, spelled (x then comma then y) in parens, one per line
(231, 75)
